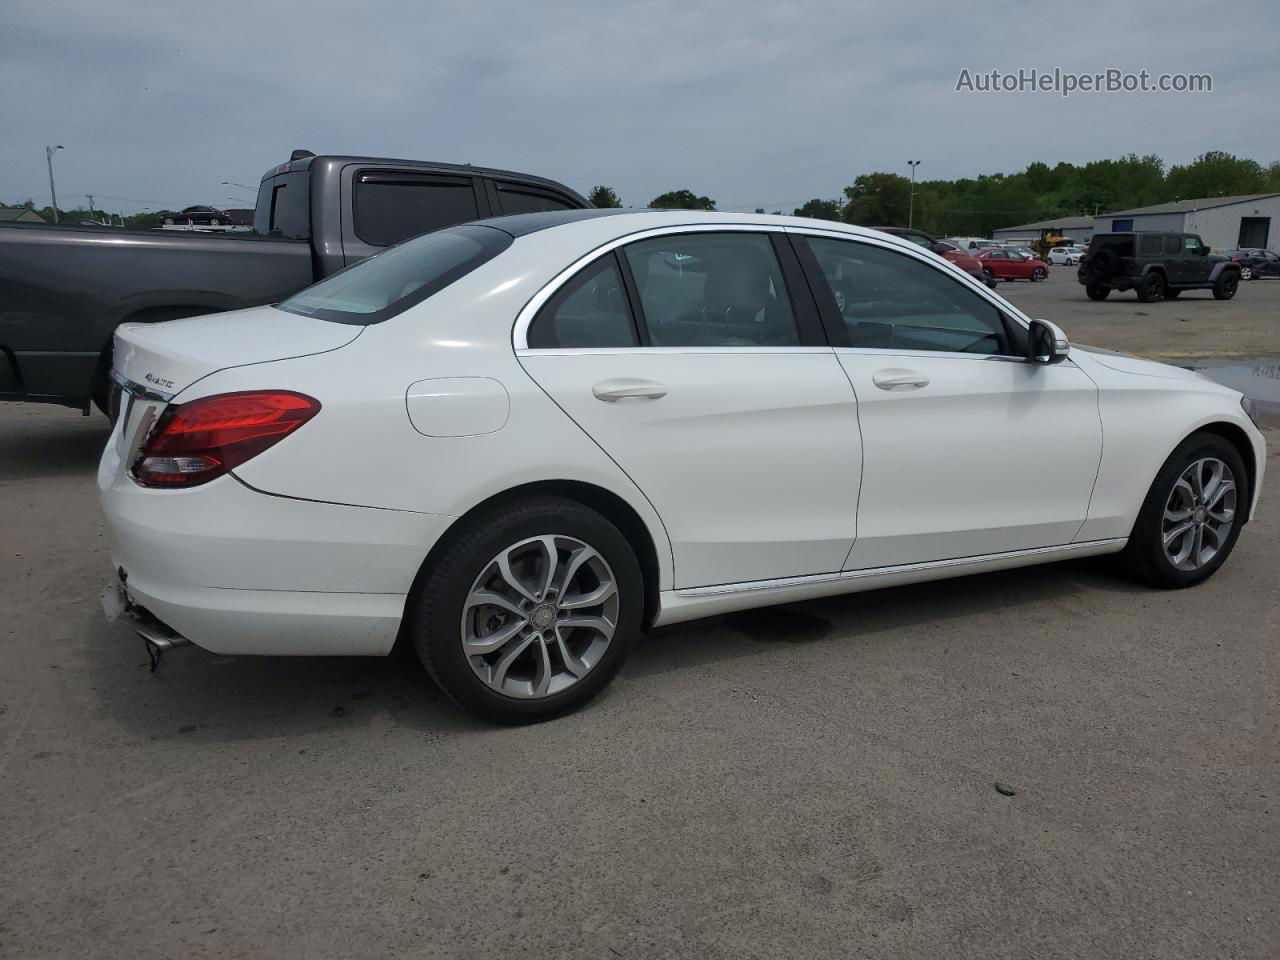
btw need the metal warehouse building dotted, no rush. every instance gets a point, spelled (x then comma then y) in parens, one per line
(1224, 223)
(1079, 229)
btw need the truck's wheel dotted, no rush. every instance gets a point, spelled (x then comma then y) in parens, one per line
(1097, 291)
(529, 611)
(1151, 288)
(1226, 285)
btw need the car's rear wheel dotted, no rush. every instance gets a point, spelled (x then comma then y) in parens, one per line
(1191, 518)
(1038, 274)
(1151, 288)
(1224, 288)
(1097, 291)
(529, 611)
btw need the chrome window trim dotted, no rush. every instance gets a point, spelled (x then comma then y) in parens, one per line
(520, 332)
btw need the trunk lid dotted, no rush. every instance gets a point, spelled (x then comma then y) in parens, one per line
(163, 359)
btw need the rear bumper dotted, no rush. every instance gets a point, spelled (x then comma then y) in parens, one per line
(241, 572)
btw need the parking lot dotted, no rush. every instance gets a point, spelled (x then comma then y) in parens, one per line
(817, 780)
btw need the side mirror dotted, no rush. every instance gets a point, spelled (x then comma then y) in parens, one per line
(1204, 251)
(1047, 343)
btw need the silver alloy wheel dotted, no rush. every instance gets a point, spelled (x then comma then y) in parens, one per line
(1246, 273)
(1199, 514)
(540, 616)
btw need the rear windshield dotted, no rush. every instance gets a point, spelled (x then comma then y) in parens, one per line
(399, 277)
(284, 207)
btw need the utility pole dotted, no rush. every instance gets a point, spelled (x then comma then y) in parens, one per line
(48, 156)
(911, 210)
(90, 196)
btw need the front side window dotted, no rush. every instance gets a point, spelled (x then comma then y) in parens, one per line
(1191, 245)
(891, 301)
(712, 290)
(391, 207)
(396, 279)
(590, 311)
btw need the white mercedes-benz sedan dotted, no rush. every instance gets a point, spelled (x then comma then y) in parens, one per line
(517, 443)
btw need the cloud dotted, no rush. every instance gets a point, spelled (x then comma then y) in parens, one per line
(754, 104)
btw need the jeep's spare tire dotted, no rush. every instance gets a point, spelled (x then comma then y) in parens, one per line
(1104, 263)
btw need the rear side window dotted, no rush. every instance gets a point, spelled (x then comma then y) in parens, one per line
(394, 280)
(284, 207)
(1148, 245)
(1171, 246)
(712, 290)
(516, 199)
(390, 207)
(590, 311)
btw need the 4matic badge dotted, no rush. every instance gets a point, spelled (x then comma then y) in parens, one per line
(158, 381)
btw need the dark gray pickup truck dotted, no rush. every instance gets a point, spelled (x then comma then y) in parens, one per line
(63, 290)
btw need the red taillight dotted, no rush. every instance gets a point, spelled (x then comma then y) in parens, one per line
(197, 441)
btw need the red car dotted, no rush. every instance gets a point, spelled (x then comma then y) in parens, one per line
(968, 264)
(1011, 265)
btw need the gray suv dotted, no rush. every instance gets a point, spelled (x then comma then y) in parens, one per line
(1159, 266)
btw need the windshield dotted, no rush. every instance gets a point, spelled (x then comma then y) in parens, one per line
(399, 277)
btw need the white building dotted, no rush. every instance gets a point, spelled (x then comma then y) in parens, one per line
(1224, 223)
(1079, 229)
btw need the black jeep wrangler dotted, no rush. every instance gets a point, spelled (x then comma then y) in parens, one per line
(1158, 265)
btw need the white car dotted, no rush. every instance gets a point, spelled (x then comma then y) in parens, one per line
(1069, 256)
(518, 443)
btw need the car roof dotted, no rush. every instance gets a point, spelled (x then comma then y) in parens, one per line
(603, 225)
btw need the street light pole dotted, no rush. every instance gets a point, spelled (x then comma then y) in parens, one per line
(911, 210)
(48, 156)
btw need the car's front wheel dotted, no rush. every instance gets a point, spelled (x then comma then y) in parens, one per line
(1192, 514)
(1038, 274)
(529, 611)
(1246, 273)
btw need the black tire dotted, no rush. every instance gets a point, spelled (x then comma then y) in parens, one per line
(1097, 291)
(990, 277)
(1145, 555)
(1224, 288)
(1038, 274)
(436, 611)
(1171, 294)
(1152, 287)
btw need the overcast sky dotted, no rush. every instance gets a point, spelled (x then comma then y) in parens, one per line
(752, 103)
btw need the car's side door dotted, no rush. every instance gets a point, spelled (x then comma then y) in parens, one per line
(969, 449)
(1269, 264)
(997, 261)
(1195, 263)
(1173, 255)
(696, 360)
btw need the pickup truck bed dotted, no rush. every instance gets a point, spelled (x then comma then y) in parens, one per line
(65, 289)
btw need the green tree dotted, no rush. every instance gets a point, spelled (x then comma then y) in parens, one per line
(681, 200)
(1215, 174)
(603, 197)
(877, 199)
(819, 209)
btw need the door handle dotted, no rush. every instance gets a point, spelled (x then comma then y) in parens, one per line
(625, 388)
(899, 380)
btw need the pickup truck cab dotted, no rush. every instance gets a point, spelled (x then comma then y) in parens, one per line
(64, 290)
(1159, 266)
